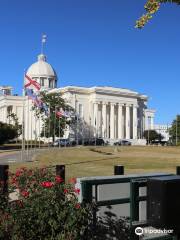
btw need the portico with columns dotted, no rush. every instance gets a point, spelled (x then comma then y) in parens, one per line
(115, 120)
(113, 113)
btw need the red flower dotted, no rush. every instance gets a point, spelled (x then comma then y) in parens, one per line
(59, 179)
(47, 184)
(66, 190)
(18, 173)
(72, 180)
(25, 193)
(77, 206)
(14, 180)
(77, 190)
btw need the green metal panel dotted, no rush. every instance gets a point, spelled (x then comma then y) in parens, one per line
(136, 181)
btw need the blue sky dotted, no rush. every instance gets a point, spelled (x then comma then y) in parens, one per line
(94, 42)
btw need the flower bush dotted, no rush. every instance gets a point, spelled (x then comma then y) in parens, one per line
(46, 208)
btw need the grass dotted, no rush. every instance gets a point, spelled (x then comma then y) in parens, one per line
(94, 161)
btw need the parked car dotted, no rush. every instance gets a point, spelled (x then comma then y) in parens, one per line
(63, 143)
(94, 142)
(123, 143)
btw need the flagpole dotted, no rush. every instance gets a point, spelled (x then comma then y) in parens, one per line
(43, 40)
(27, 112)
(22, 143)
(35, 133)
(54, 125)
(31, 129)
(44, 130)
(49, 126)
(59, 132)
(39, 134)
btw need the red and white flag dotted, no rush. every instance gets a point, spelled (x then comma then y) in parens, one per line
(32, 83)
(59, 114)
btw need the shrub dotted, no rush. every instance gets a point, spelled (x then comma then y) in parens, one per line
(46, 208)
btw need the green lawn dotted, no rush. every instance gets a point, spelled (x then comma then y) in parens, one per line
(94, 161)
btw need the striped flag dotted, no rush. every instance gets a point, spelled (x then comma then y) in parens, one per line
(31, 83)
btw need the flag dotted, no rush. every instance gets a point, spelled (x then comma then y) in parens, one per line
(38, 102)
(32, 82)
(67, 114)
(45, 108)
(59, 114)
(44, 36)
(62, 113)
(30, 94)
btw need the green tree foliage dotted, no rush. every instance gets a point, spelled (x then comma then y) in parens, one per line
(151, 7)
(16, 124)
(53, 126)
(175, 130)
(7, 132)
(152, 135)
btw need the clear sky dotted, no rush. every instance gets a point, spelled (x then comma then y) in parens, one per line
(94, 42)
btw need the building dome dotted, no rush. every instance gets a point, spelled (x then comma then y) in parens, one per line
(43, 73)
(41, 68)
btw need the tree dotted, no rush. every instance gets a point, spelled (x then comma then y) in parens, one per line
(53, 125)
(17, 126)
(174, 131)
(7, 132)
(152, 135)
(151, 7)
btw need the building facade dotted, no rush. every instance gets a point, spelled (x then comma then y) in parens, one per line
(111, 113)
(163, 129)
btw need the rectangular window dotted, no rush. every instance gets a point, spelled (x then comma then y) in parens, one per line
(42, 81)
(51, 83)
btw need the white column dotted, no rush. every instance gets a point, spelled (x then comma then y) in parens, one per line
(120, 123)
(91, 122)
(127, 122)
(112, 120)
(152, 123)
(95, 115)
(5, 114)
(104, 128)
(134, 122)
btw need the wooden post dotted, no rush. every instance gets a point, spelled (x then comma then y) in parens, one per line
(118, 170)
(178, 170)
(60, 171)
(3, 181)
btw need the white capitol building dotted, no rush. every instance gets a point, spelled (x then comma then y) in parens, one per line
(112, 113)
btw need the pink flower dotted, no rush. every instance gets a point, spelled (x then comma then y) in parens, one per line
(66, 190)
(47, 184)
(25, 193)
(14, 180)
(72, 180)
(18, 173)
(77, 190)
(59, 179)
(77, 206)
